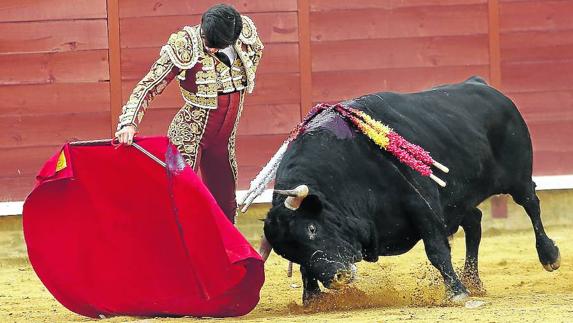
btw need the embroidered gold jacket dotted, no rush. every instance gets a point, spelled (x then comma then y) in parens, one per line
(201, 75)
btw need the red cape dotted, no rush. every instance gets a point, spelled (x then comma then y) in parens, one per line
(111, 232)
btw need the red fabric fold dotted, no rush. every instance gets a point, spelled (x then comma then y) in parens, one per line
(111, 232)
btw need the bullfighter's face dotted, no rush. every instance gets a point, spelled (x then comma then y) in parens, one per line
(316, 237)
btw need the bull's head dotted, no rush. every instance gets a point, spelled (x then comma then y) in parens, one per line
(308, 230)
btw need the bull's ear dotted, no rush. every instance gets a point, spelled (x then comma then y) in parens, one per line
(311, 204)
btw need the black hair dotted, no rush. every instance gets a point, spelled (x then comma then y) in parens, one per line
(221, 26)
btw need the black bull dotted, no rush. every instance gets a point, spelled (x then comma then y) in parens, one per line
(363, 203)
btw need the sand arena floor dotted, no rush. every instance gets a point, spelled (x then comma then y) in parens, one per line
(396, 288)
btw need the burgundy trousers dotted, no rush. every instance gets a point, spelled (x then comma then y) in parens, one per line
(216, 155)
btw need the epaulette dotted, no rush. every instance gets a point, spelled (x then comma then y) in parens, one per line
(249, 32)
(183, 48)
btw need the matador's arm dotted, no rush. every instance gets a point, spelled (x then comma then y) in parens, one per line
(153, 83)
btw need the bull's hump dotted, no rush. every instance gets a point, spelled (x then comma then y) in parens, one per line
(333, 122)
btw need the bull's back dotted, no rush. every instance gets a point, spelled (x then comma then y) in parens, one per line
(472, 128)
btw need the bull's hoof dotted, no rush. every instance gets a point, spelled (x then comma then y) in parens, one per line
(456, 292)
(549, 255)
(555, 265)
(459, 298)
(310, 297)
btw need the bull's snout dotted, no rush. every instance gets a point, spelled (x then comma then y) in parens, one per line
(343, 277)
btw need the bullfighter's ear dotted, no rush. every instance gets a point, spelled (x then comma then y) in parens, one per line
(312, 204)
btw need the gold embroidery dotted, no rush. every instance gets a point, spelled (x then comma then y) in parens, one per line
(224, 80)
(250, 56)
(186, 131)
(183, 47)
(238, 75)
(205, 76)
(215, 77)
(249, 31)
(208, 62)
(231, 145)
(150, 86)
(202, 102)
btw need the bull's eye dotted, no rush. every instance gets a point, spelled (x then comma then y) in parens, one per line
(311, 231)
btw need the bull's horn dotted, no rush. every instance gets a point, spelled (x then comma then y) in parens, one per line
(295, 196)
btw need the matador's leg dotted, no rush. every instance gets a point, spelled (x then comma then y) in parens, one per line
(218, 164)
(186, 132)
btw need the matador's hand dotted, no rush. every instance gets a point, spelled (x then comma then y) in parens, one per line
(125, 135)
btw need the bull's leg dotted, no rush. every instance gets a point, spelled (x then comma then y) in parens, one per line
(472, 229)
(546, 249)
(310, 286)
(433, 233)
(439, 253)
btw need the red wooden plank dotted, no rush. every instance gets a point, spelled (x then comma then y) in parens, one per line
(269, 119)
(257, 150)
(537, 46)
(154, 31)
(535, 15)
(25, 161)
(34, 10)
(277, 58)
(20, 187)
(136, 62)
(58, 67)
(246, 175)
(279, 88)
(53, 129)
(114, 64)
(552, 135)
(329, 5)
(53, 98)
(145, 8)
(552, 163)
(494, 45)
(540, 106)
(399, 23)
(336, 86)
(253, 152)
(400, 52)
(53, 36)
(537, 76)
(305, 55)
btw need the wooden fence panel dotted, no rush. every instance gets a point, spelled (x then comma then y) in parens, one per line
(398, 23)
(149, 8)
(54, 83)
(55, 68)
(537, 73)
(366, 47)
(38, 10)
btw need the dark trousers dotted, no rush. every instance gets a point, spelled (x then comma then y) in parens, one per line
(216, 155)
